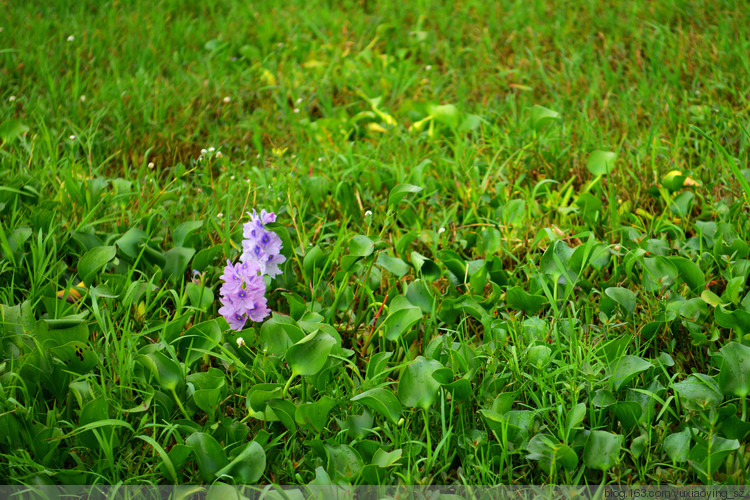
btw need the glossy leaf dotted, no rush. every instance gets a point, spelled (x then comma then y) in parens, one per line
(602, 450)
(309, 355)
(381, 401)
(417, 387)
(247, 467)
(208, 454)
(93, 261)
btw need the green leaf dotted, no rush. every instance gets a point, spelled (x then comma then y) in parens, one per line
(601, 162)
(698, 392)
(315, 415)
(734, 377)
(426, 267)
(11, 129)
(198, 340)
(394, 265)
(309, 355)
(549, 450)
(402, 315)
(166, 372)
(518, 298)
(626, 368)
(419, 294)
(209, 455)
(417, 387)
(541, 116)
(690, 273)
(184, 230)
(677, 446)
(93, 261)
(279, 333)
(624, 297)
(398, 192)
(176, 262)
(381, 401)
(247, 467)
(130, 242)
(602, 450)
(385, 459)
(200, 297)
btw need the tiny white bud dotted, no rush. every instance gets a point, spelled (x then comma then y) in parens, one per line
(320, 159)
(240, 342)
(258, 155)
(220, 215)
(12, 98)
(231, 178)
(72, 138)
(368, 213)
(83, 98)
(218, 154)
(296, 110)
(203, 152)
(280, 45)
(211, 149)
(441, 230)
(71, 38)
(299, 100)
(227, 99)
(151, 164)
(428, 67)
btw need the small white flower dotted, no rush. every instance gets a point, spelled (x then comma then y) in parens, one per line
(299, 100)
(296, 110)
(368, 213)
(12, 98)
(428, 67)
(227, 99)
(211, 149)
(203, 152)
(72, 138)
(231, 178)
(258, 155)
(240, 342)
(151, 164)
(71, 38)
(83, 98)
(441, 230)
(220, 215)
(218, 154)
(280, 45)
(320, 159)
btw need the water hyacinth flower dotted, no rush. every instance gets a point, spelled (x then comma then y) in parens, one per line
(243, 289)
(261, 245)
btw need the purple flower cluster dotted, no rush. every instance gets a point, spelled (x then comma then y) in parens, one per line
(243, 291)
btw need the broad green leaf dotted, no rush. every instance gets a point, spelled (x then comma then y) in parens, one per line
(602, 450)
(626, 368)
(518, 298)
(426, 267)
(677, 446)
(208, 453)
(11, 129)
(309, 355)
(285, 411)
(690, 273)
(93, 261)
(549, 450)
(417, 387)
(400, 319)
(541, 116)
(382, 401)
(344, 462)
(315, 415)
(166, 372)
(130, 242)
(197, 340)
(734, 377)
(176, 262)
(698, 392)
(184, 230)
(201, 297)
(398, 192)
(385, 459)
(394, 265)
(247, 467)
(601, 162)
(624, 297)
(420, 295)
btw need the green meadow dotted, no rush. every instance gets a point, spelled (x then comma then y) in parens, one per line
(516, 242)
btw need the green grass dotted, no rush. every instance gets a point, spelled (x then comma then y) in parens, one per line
(484, 298)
